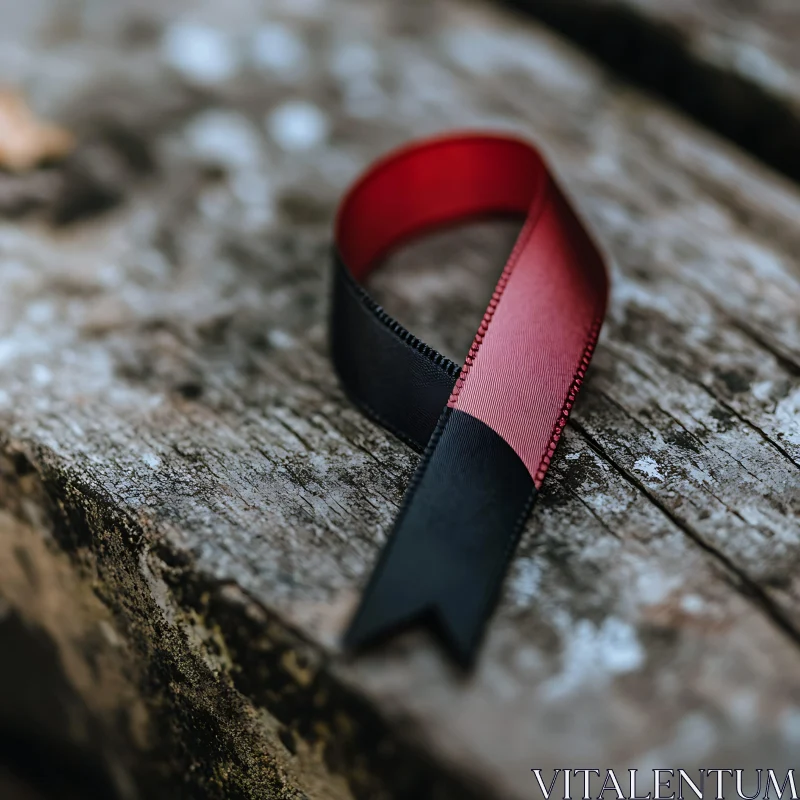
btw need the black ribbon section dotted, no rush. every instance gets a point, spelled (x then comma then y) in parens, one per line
(395, 378)
(449, 548)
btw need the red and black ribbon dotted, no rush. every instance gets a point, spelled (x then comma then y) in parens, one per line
(490, 427)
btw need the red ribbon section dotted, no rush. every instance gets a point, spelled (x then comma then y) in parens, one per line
(492, 426)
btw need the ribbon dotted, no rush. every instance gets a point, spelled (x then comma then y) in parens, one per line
(488, 428)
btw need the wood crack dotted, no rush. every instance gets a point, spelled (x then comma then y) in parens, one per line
(675, 369)
(749, 588)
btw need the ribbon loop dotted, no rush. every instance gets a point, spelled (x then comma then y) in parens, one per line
(490, 427)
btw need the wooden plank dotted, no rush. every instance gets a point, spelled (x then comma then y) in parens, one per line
(734, 66)
(166, 388)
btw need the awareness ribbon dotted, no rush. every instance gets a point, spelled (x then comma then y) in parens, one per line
(489, 428)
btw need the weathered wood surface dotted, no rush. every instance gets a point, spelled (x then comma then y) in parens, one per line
(167, 391)
(734, 64)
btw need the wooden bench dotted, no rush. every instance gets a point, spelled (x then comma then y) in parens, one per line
(174, 438)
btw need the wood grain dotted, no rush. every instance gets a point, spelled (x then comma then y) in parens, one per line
(165, 378)
(733, 64)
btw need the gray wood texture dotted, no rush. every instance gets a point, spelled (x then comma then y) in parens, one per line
(734, 64)
(169, 413)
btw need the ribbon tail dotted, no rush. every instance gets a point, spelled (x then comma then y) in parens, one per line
(402, 594)
(445, 560)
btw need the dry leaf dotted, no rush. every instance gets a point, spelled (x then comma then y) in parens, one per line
(25, 140)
